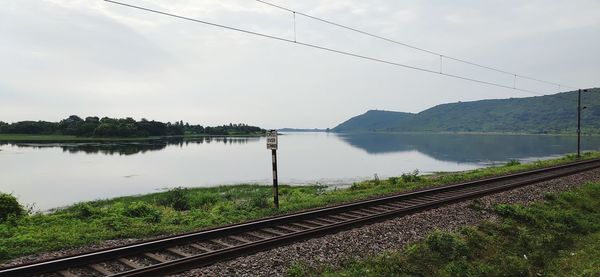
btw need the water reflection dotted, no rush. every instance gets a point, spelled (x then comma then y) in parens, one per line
(467, 148)
(128, 147)
(96, 170)
(460, 148)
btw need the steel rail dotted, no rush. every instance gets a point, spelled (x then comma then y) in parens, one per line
(282, 229)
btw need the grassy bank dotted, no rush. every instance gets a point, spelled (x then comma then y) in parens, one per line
(560, 237)
(181, 210)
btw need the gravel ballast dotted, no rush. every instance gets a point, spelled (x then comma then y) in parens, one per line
(392, 234)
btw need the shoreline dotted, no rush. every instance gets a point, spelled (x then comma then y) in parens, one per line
(182, 210)
(583, 134)
(65, 138)
(68, 138)
(329, 184)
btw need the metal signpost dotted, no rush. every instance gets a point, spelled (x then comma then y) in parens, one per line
(579, 124)
(272, 144)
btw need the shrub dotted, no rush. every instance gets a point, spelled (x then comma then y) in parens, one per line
(447, 244)
(10, 207)
(139, 209)
(254, 202)
(204, 200)
(363, 185)
(512, 163)
(225, 210)
(143, 210)
(298, 270)
(116, 223)
(83, 210)
(457, 268)
(321, 189)
(260, 201)
(507, 210)
(177, 198)
(411, 176)
(393, 180)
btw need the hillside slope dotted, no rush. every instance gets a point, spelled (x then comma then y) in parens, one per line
(374, 120)
(542, 114)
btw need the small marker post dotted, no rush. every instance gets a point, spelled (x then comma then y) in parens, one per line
(579, 124)
(272, 144)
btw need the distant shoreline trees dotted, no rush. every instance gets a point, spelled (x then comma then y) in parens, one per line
(93, 126)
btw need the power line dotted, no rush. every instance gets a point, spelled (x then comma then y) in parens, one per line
(409, 46)
(327, 49)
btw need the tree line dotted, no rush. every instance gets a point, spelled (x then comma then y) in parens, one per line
(94, 126)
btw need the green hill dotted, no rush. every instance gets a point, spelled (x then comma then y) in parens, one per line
(538, 115)
(374, 120)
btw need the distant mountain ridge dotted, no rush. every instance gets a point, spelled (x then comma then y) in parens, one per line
(375, 120)
(550, 114)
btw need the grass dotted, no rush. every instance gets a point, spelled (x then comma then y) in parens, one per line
(581, 260)
(181, 210)
(560, 237)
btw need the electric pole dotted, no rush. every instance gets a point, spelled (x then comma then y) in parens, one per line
(579, 109)
(579, 124)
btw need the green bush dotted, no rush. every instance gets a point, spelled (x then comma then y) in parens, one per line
(115, 223)
(297, 270)
(393, 180)
(457, 268)
(362, 185)
(177, 198)
(260, 201)
(10, 207)
(83, 210)
(448, 245)
(143, 210)
(507, 210)
(204, 200)
(411, 176)
(4, 252)
(512, 163)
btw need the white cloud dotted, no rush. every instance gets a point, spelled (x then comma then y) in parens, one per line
(91, 57)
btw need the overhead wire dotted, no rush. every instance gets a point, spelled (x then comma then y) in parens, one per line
(408, 45)
(332, 50)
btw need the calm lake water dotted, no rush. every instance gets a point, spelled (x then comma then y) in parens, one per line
(58, 174)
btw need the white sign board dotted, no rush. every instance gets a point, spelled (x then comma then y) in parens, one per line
(272, 139)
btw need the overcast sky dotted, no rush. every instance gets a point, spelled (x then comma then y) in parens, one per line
(90, 57)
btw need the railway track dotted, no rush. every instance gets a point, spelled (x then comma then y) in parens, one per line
(197, 249)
